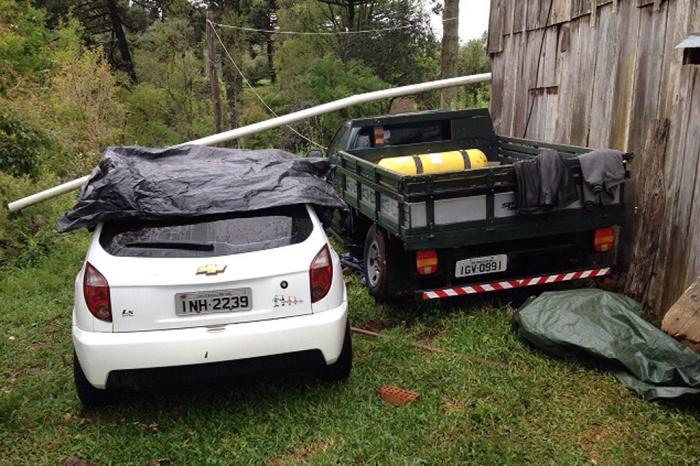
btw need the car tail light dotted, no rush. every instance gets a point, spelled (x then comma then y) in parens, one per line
(321, 274)
(426, 261)
(603, 239)
(96, 292)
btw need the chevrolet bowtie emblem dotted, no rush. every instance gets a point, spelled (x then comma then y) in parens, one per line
(210, 269)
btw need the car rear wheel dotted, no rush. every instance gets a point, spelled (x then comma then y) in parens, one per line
(340, 370)
(89, 396)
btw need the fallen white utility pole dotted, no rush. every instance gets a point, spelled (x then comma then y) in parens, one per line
(274, 123)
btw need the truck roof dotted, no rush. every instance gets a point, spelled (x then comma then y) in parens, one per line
(412, 117)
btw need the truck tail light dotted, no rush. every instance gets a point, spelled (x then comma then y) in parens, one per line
(426, 261)
(96, 293)
(321, 274)
(603, 239)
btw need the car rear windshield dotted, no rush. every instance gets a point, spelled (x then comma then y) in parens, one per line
(208, 236)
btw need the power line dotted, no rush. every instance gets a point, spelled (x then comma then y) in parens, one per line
(250, 86)
(320, 33)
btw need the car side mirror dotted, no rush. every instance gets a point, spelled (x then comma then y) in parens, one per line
(314, 153)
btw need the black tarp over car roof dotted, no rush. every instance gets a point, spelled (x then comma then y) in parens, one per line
(151, 184)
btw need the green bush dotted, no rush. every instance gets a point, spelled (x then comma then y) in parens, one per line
(21, 145)
(28, 235)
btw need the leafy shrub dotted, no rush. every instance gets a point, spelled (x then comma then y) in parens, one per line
(21, 145)
(147, 114)
(83, 110)
(28, 235)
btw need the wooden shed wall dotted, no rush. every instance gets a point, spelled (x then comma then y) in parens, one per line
(607, 74)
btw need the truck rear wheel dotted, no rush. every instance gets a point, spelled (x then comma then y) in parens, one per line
(379, 264)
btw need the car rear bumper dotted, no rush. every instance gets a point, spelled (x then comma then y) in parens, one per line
(101, 353)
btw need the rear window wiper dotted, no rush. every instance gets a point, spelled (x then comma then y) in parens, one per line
(171, 245)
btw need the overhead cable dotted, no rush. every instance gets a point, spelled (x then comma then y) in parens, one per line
(320, 33)
(255, 93)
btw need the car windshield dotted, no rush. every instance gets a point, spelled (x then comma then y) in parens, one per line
(208, 236)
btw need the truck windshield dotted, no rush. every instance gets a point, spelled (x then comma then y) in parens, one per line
(208, 236)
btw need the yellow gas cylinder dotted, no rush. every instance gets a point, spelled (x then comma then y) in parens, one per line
(438, 162)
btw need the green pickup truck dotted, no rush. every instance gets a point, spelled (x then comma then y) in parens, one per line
(457, 233)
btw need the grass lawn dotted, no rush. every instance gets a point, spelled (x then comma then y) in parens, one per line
(528, 408)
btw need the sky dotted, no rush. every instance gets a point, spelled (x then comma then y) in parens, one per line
(473, 19)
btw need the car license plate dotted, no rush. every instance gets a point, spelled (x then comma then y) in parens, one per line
(209, 302)
(481, 265)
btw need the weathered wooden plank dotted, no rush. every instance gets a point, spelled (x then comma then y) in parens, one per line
(496, 22)
(534, 13)
(678, 236)
(628, 16)
(561, 12)
(652, 205)
(645, 98)
(692, 153)
(520, 95)
(498, 97)
(650, 57)
(548, 72)
(603, 85)
(519, 15)
(551, 117)
(508, 6)
(569, 45)
(529, 81)
(580, 8)
(511, 54)
(583, 91)
(678, 25)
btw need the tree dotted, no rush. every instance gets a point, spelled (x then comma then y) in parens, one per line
(472, 59)
(169, 56)
(450, 46)
(328, 78)
(399, 56)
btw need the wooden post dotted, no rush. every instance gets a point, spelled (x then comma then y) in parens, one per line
(213, 73)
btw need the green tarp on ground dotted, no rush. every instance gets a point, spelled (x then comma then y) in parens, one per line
(609, 326)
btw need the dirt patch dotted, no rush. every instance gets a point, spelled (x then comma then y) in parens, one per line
(74, 460)
(378, 325)
(591, 440)
(301, 454)
(454, 405)
(429, 333)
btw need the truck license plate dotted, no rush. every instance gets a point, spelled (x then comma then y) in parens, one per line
(481, 265)
(208, 302)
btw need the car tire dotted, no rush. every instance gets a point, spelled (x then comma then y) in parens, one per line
(380, 265)
(89, 396)
(340, 370)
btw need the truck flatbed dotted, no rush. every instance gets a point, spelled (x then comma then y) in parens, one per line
(460, 213)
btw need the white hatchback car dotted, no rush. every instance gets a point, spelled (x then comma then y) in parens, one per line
(208, 296)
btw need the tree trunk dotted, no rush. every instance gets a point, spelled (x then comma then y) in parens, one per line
(118, 30)
(213, 74)
(270, 63)
(231, 78)
(450, 48)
